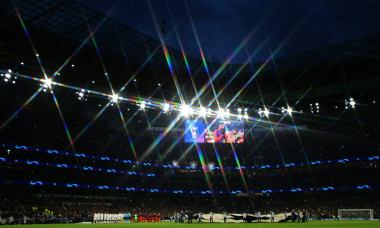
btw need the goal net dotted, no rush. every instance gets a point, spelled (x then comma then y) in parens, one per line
(354, 214)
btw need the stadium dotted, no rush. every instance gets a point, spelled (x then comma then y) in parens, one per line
(189, 113)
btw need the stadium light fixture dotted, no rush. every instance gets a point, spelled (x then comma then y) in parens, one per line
(202, 112)
(186, 110)
(264, 112)
(166, 107)
(287, 111)
(350, 103)
(221, 113)
(143, 105)
(114, 97)
(227, 114)
(80, 94)
(47, 82)
(314, 107)
(209, 111)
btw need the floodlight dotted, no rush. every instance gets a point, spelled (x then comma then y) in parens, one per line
(142, 105)
(114, 97)
(221, 113)
(352, 103)
(227, 113)
(186, 110)
(289, 111)
(266, 112)
(202, 112)
(47, 83)
(166, 107)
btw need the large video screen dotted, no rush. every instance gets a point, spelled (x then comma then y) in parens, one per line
(199, 131)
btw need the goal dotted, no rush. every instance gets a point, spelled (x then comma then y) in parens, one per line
(355, 214)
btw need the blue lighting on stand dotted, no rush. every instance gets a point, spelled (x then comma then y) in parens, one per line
(32, 162)
(72, 185)
(192, 167)
(21, 147)
(80, 155)
(328, 188)
(105, 187)
(291, 164)
(18, 161)
(364, 186)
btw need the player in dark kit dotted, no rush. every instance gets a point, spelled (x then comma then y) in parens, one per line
(293, 216)
(189, 217)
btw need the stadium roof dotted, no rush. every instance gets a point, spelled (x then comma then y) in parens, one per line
(70, 19)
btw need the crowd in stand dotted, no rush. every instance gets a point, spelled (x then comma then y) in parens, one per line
(70, 209)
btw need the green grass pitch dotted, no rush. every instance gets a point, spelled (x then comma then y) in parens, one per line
(312, 224)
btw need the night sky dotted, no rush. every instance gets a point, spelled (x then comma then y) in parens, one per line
(283, 27)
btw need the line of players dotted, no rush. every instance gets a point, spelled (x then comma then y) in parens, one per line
(125, 218)
(108, 218)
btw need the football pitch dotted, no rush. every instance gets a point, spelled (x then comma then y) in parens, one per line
(333, 224)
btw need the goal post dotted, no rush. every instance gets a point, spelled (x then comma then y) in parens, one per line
(355, 214)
